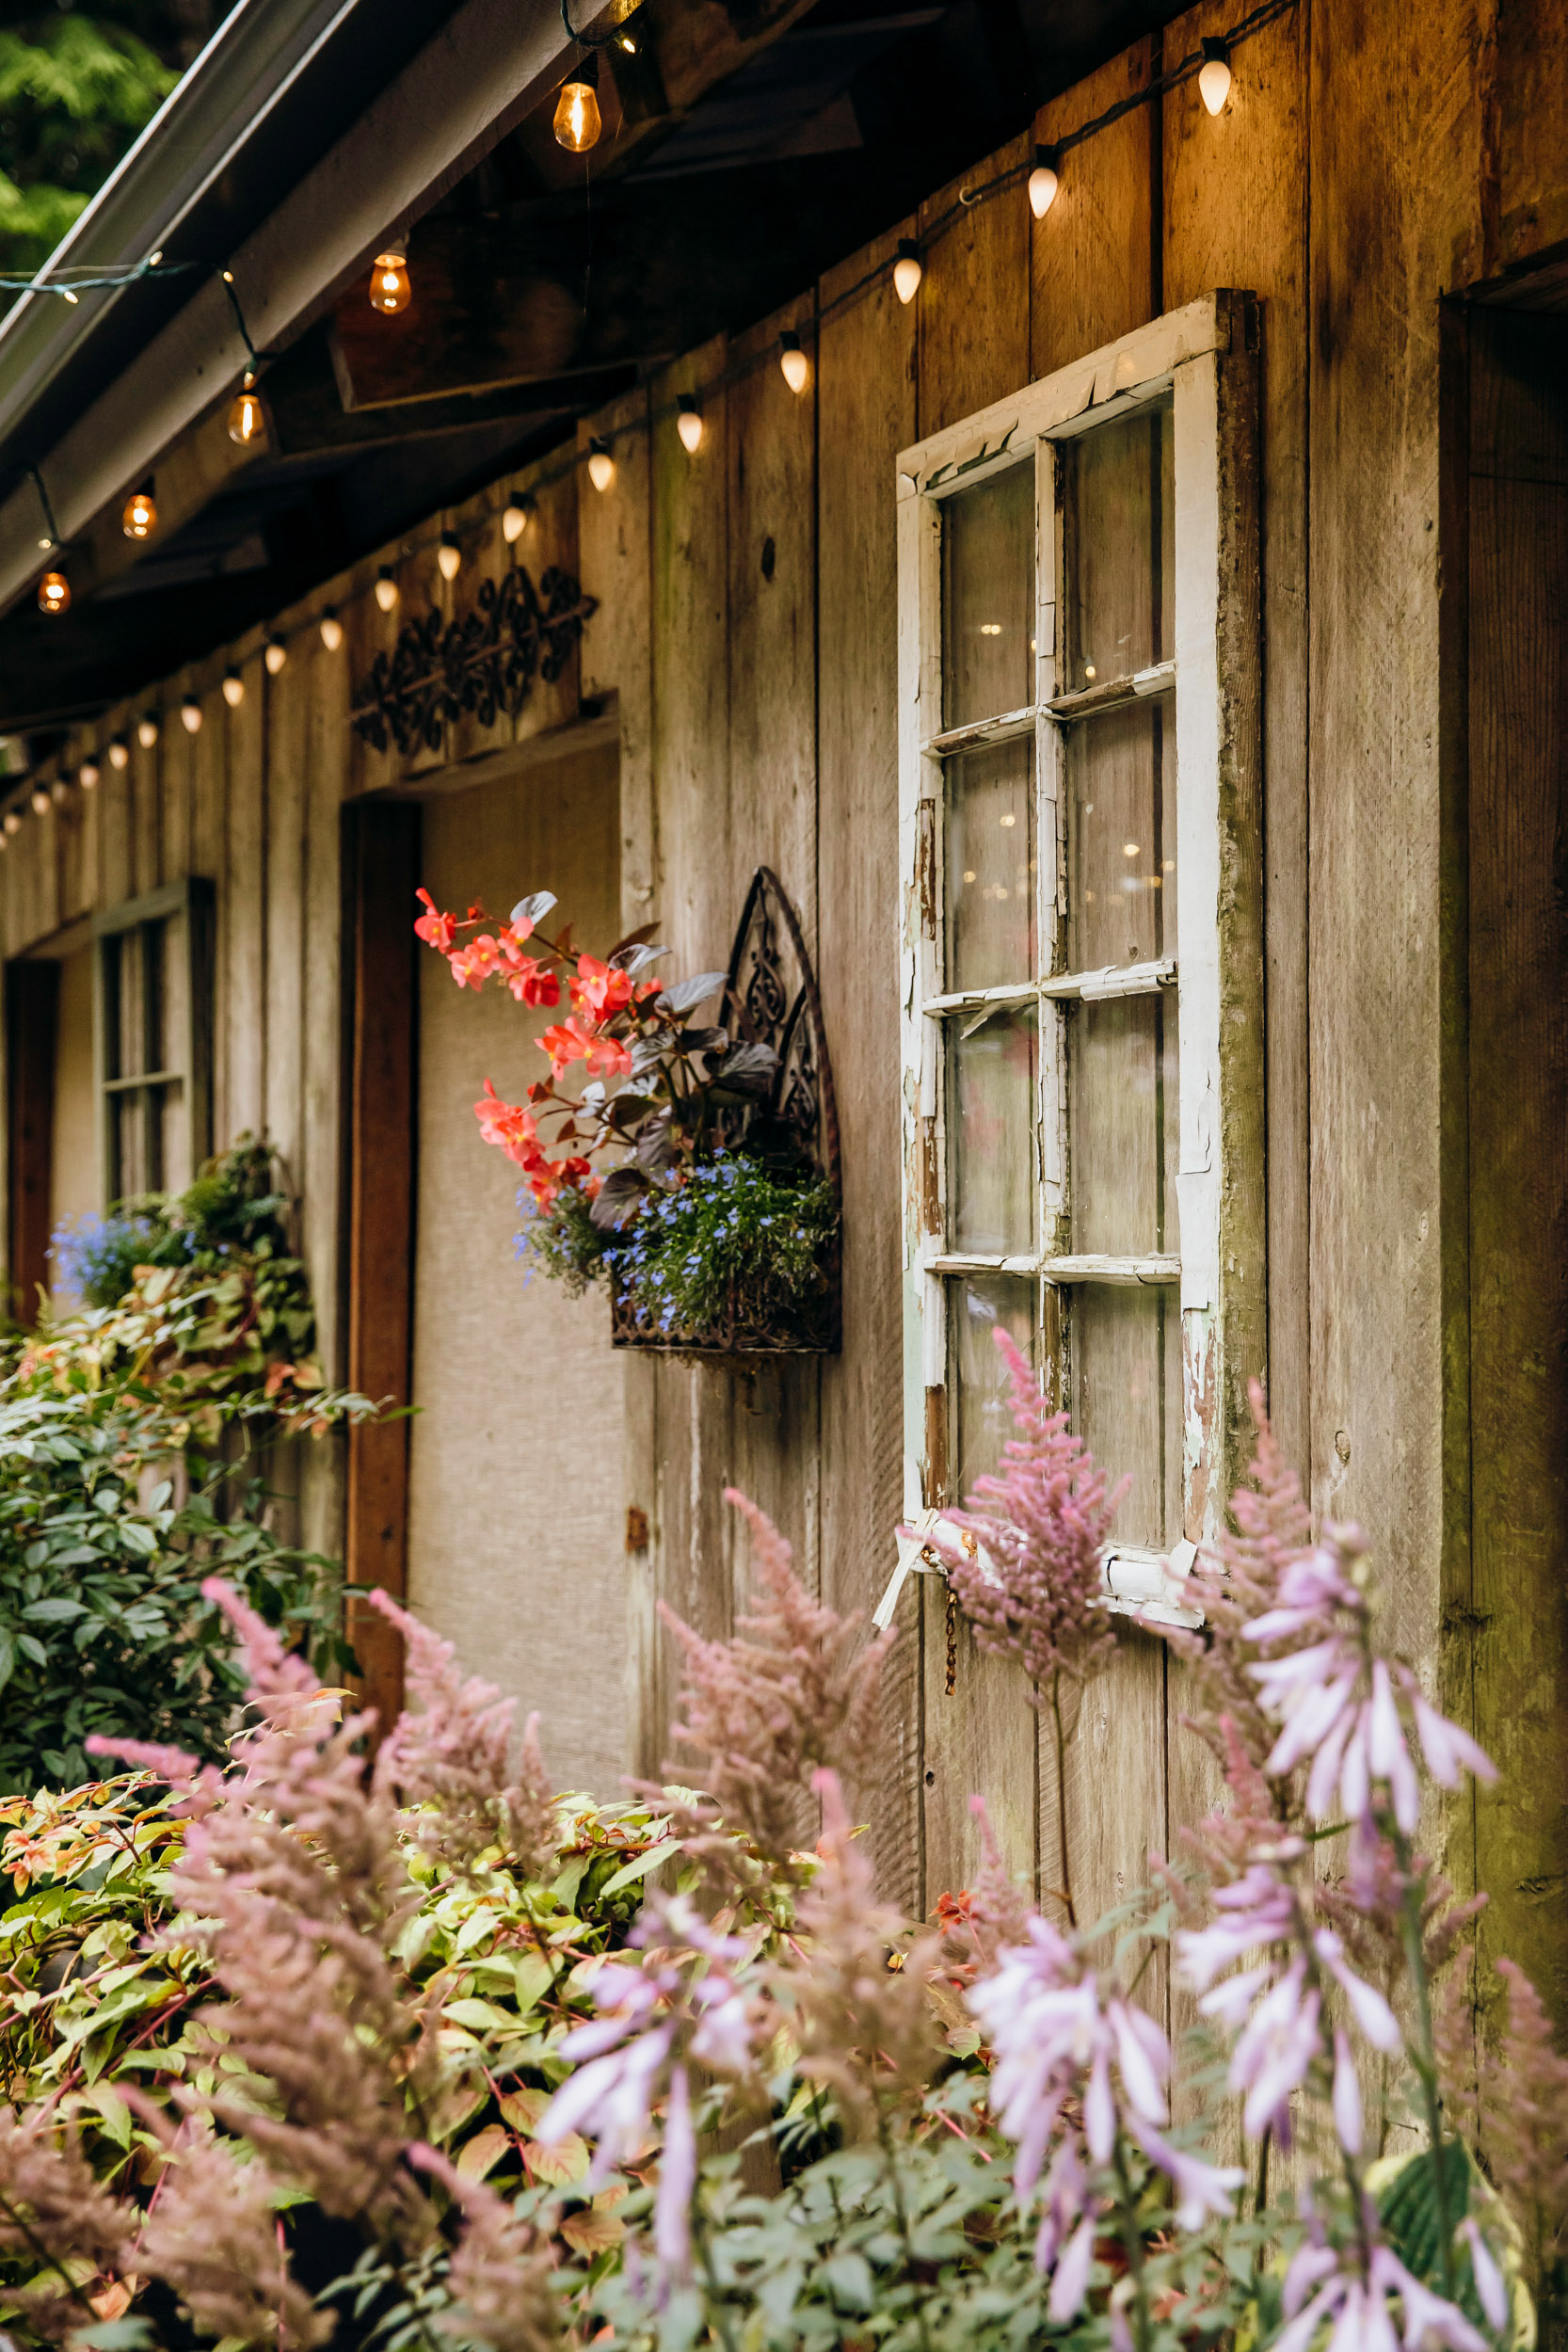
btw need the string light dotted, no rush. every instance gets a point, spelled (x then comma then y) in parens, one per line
(140, 519)
(390, 289)
(54, 593)
(1044, 180)
(331, 630)
(601, 465)
(247, 418)
(13, 822)
(514, 519)
(40, 801)
(577, 123)
(119, 755)
(234, 689)
(1214, 74)
(386, 589)
(275, 656)
(793, 360)
(688, 423)
(190, 715)
(907, 272)
(449, 556)
(86, 775)
(147, 729)
(59, 791)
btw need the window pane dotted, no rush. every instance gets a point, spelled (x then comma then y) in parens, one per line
(1126, 1348)
(989, 866)
(1121, 834)
(991, 1127)
(988, 597)
(1123, 1124)
(1118, 481)
(984, 1409)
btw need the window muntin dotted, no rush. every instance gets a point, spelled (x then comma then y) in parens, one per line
(154, 1031)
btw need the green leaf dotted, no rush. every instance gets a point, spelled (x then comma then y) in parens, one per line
(641, 1866)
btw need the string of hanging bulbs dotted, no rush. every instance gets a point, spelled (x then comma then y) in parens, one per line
(390, 290)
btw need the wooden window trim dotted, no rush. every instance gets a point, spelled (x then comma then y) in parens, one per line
(1204, 358)
(194, 899)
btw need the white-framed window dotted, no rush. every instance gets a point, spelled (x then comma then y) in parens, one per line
(1082, 932)
(153, 1031)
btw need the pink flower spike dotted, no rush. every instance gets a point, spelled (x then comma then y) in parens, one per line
(1346, 2095)
(1140, 2078)
(1071, 2283)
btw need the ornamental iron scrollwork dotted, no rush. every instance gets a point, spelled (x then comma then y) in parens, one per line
(770, 998)
(476, 667)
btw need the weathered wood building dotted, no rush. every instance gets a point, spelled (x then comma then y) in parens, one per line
(1225, 501)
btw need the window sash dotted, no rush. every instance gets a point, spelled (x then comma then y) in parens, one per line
(1183, 358)
(185, 1064)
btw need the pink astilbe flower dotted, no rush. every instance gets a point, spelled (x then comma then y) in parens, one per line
(854, 1998)
(457, 1752)
(684, 2003)
(1031, 1587)
(500, 2273)
(54, 2214)
(211, 2236)
(1525, 2117)
(1078, 2065)
(794, 1690)
(293, 1870)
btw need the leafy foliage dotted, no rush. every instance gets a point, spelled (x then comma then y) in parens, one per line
(74, 91)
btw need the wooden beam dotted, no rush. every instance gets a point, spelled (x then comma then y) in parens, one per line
(381, 872)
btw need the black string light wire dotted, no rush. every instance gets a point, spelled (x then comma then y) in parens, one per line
(72, 283)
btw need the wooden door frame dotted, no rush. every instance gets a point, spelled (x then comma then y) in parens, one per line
(380, 867)
(32, 1025)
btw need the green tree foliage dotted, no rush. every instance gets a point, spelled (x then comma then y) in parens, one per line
(76, 88)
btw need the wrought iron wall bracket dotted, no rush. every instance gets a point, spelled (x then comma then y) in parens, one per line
(475, 668)
(770, 997)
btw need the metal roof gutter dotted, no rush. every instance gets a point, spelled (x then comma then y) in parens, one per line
(250, 62)
(489, 65)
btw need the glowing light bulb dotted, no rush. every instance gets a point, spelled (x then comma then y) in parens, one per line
(119, 755)
(191, 715)
(331, 630)
(147, 729)
(449, 556)
(86, 775)
(277, 653)
(40, 801)
(390, 289)
(1214, 74)
(514, 519)
(13, 820)
(246, 419)
(689, 423)
(601, 465)
(907, 272)
(792, 361)
(140, 519)
(577, 123)
(234, 689)
(54, 593)
(386, 589)
(1044, 181)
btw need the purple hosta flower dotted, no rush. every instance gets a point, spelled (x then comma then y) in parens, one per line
(1491, 2286)
(1318, 2289)
(1055, 2038)
(1344, 1708)
(652, 2020)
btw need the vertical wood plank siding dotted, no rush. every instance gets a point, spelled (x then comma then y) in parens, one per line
(746, 640)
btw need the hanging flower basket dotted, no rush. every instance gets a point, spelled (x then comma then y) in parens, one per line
(697, 1168)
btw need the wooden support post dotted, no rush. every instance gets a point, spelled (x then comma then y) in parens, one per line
(381, 872)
